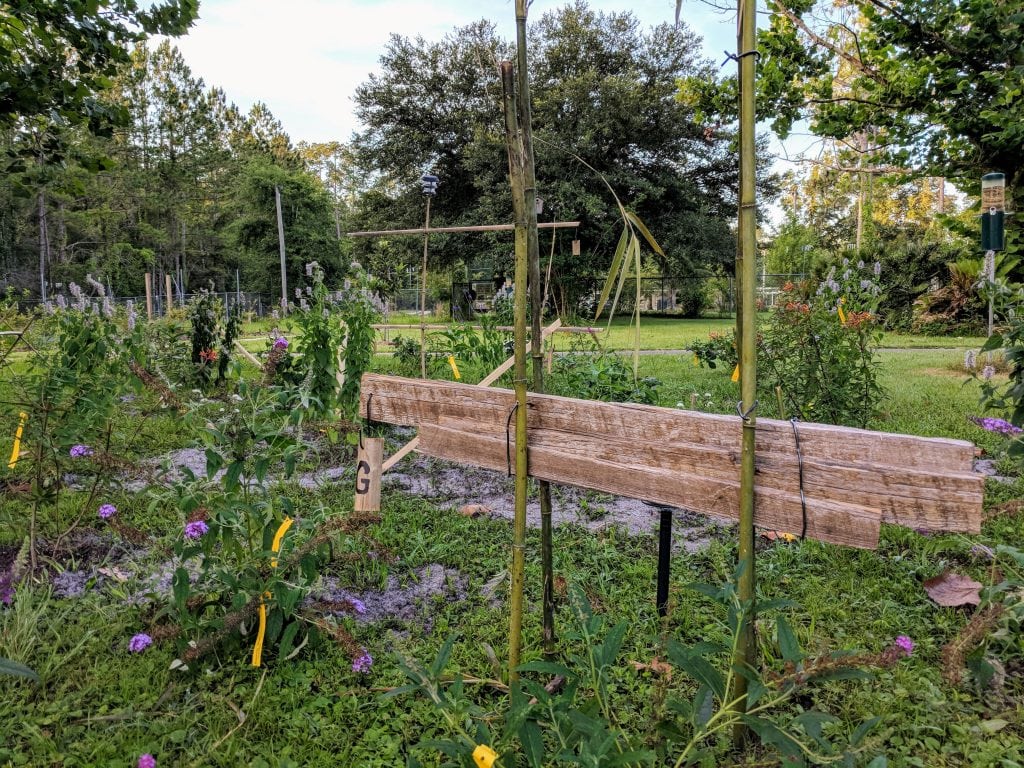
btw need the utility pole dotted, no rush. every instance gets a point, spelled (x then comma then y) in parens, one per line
(280, 244)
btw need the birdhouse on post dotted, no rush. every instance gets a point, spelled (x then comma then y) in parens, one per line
(993, 211)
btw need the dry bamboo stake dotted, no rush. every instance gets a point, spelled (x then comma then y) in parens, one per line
(515, 163)
(149, 296)
(746, 644)
(536, 299)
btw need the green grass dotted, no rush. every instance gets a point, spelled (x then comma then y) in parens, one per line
(101, 706)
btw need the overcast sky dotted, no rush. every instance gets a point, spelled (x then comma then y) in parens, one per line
(304, 58)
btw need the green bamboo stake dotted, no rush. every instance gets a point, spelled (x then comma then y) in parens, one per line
(746, 646)
(515, 167)
(536, 301)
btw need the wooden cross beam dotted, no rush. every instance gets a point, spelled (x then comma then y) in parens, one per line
(473, 228)
(853, 479)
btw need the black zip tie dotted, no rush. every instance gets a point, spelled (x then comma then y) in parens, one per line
(745, 415)
(369, 419)
(508, 438)
(800, 473)
(737, 56)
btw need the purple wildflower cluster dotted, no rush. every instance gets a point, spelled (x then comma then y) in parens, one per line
(280, 343)
(146, 761)
(905, 644)
(357, 605)
(139, 642)
(363, 662)
(107, 511)
(78, 451)
(196, 529)
(991, 424)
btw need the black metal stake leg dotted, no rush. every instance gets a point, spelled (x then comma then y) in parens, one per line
(664, 558)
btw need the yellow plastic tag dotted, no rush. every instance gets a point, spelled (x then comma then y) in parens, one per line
(455, 368)
(275, 547)
(842, 315)
(736, 374)
(696, 362)
(16, 450)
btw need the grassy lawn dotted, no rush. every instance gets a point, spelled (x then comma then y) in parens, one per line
(98, 705)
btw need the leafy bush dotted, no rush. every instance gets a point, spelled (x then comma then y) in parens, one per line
(819, 349)
(590, 373)
(213, 333)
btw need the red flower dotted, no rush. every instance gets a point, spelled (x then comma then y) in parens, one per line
(208, 355)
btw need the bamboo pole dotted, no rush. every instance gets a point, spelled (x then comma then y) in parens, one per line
(280, 247)
(149, 296)
(746, 646)
(515, 164)
(473, 228)
(536, 300)
(170, 297)
(423, 295)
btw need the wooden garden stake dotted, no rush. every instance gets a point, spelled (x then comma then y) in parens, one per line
(369, 466)
(149, 296)
(170, 297)
(537, 307)
(515, 163)
(746, 644)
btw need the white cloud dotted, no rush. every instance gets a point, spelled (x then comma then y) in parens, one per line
(304, 58)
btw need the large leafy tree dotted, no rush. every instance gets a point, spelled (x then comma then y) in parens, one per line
(604, 104)
(937, 83)
(57, 56)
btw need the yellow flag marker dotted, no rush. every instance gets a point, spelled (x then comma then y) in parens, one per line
(696, 362)
(455, 368)
(16, 450)
(275, 547)
(839, 311)
(736, 373)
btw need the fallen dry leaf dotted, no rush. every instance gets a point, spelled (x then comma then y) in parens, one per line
(953, 589)
(474, 510)
(659, 668)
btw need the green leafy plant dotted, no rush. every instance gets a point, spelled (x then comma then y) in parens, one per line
(479, 351)
(245, 549)
(818, 348)
(213, 333)
(591, 373)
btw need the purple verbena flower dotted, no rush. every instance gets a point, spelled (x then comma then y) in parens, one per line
(107, 511)
(992, 424)
(280, 343)
(357, 605)
(363, 662)
(196, 529)
(139, 642)
(905, 644)
(146, 761)
(78, 451)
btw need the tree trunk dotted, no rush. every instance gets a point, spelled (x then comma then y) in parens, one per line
(44, 244)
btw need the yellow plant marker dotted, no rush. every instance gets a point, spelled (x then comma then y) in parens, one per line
(16, 450)
(696, 362)
(839, 311)
(278, 538)
(275, 547)
(455, 368)
(257, 651)
(736, 374)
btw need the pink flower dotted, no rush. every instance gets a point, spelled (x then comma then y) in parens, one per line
(905, 644)
(146, 761)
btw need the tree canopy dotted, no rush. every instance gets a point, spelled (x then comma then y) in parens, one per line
(604, 92)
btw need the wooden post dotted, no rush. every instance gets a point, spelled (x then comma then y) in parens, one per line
(745, 656)
(537, 301)
(515, 162)
(423, 295)
(280, 246)
(369, 463)
(149, 295)
(170, 297)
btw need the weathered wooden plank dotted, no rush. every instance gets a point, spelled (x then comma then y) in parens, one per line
(827, 521)
(915, 482)
(412, 401)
